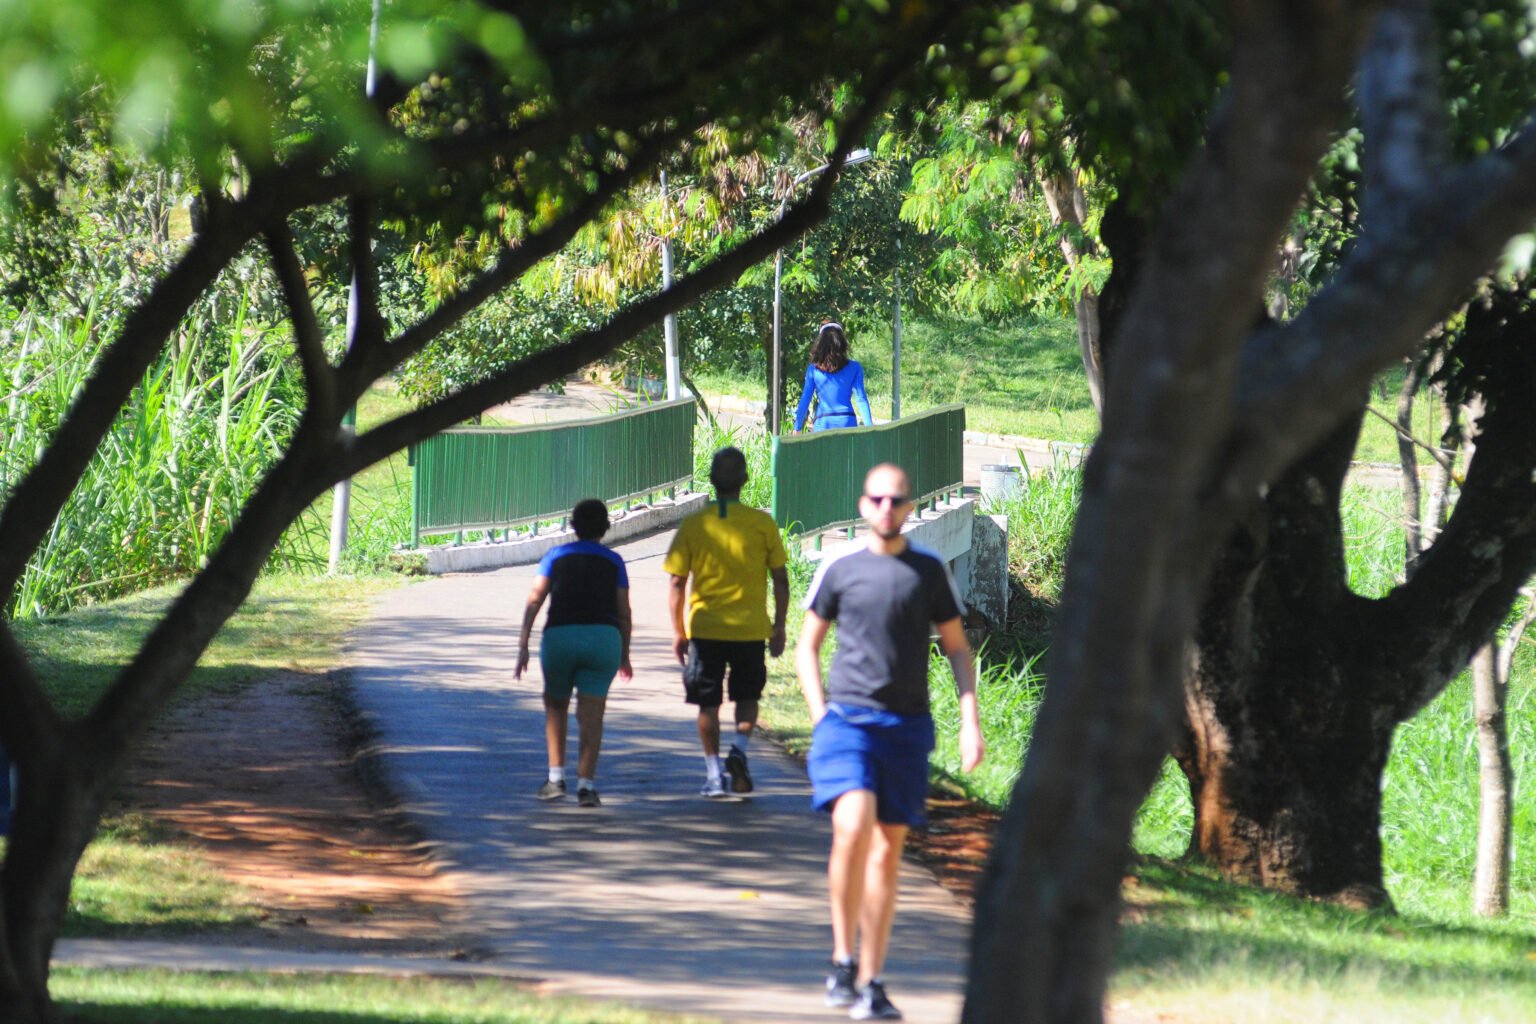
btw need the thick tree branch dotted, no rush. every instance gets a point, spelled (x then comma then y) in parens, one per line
(1139, 560)
(365, 324)
(1467, 579)
(30, 722)
(1299, 378)
(583, 349)
(308, 341)
(362, 367)
(1400, 108)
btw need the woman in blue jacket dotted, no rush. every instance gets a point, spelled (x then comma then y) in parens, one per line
(835, 382)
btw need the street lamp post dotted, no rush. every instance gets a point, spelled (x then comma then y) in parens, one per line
(341, 495)
(669, 325)
(896, 343)
(775, 372)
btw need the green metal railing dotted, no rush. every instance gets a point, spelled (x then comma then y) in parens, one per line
(817, 478)
(487, 478)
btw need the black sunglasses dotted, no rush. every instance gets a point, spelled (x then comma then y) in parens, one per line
(893, 500)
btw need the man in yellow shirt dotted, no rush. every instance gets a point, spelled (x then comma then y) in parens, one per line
(729, 552)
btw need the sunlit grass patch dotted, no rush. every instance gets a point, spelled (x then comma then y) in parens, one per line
(135, 876)
(133, 997)
(1202, 949)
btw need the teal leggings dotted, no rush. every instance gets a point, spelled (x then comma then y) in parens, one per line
(583, 658)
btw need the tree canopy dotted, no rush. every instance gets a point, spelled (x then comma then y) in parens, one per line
(500, 132)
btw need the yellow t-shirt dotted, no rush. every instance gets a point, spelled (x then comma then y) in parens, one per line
(728, 549)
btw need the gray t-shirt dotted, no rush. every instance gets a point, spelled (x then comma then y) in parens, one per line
(885, 607)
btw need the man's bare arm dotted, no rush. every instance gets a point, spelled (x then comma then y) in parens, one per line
(808, 664)
(780, 609)
(973, 747)
(677, 599)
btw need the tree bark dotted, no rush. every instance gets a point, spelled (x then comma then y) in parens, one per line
(59, 799)
(1202, 413)
(1495, 782)
(1286, 760)
(1141, 547)
(1296, 684)
(1069, 207)
(1408, 459)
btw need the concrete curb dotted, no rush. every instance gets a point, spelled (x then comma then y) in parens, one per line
(527, 550)
(1071, 449)
(170, 955)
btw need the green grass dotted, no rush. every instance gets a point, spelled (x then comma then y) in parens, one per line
(164, 997)
(1199, 950)
(754, 444)
(1022, 377)
(134, 876)
(379, 507)
(288, 623)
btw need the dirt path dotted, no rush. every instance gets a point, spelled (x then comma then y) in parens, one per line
(262, 781)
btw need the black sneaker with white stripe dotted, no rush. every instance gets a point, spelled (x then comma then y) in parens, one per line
(873, 1004)
(841, 990)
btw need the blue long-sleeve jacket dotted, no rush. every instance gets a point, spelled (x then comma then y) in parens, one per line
(838, 396)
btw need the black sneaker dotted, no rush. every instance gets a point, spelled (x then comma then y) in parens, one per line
(873, 1005)
(841, 990)
(587, 797)
(736, 768)
(552, 790)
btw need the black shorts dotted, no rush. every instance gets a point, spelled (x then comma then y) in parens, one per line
(704, 676)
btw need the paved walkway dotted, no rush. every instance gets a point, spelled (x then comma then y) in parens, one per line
(659, 897)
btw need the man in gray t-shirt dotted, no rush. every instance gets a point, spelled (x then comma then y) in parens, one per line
(873, 733)
(885, 606)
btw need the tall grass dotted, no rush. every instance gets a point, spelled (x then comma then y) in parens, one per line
(170, 476)
(1040, 520)
(1430, 788)
(755, 444)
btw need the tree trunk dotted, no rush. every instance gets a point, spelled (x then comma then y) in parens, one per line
(1495, 782)
(58, 804)
(1437, 504)
(1286, 747)
(1408, 458)
(1069, 206)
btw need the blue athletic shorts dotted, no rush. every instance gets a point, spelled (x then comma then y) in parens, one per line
(881, 751)
(580, 657)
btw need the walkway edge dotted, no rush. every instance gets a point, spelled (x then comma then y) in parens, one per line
(528, 550)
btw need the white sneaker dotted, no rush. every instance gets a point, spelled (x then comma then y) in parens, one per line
(714, 788)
